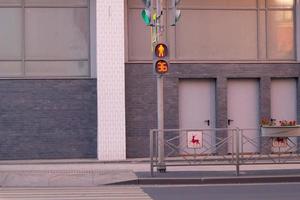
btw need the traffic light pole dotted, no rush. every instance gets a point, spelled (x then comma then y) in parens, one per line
(160, 60)
(160, 122)
(160, 97)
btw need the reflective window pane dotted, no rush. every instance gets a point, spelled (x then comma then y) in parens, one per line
(57, 68)
(57, 33)
(139, 40)
(220, 4)
(10, 69)
(10, 3)
(280, 3)
(262, 36)
(281, 35)
(10, 33)
(56, 3)
(219, 35)
(262, 4)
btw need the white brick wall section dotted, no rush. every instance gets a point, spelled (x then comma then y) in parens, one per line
(298, 29)
(111, 80)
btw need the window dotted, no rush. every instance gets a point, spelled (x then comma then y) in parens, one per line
(222, 30)
(280, 30)
(44, 38)
(219, 35)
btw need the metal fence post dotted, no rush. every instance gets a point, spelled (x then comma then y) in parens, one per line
(151, 151)
(237, 151)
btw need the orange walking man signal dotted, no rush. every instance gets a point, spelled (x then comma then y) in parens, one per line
(161, 50)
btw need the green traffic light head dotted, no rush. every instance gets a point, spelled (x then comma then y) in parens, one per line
(146, 16)
(175, 14)
(146, 13)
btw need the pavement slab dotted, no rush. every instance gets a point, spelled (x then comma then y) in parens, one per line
(92, 173)
(64, 178)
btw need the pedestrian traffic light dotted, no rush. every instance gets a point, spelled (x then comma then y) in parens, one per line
(175, 14)
(161, 50)
(161, 58)
(146, 13)
(161, 67)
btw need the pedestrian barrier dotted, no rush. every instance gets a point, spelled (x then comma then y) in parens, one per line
(222, 146)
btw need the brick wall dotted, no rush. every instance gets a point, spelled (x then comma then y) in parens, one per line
(141, 95)
(45, 119)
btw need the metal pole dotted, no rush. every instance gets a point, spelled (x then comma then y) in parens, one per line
(151, 151)
(160, 116)
(160, 99)
(237, 151)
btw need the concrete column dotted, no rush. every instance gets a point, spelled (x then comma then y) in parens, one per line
(221, 111)
(221, 102)
(265, 97)
(111, 80)
(265, 109)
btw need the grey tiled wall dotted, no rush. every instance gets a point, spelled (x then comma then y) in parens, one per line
(47, 119)
(141, 94)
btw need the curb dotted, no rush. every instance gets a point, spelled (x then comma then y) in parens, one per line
(73, 161)
(210, 180)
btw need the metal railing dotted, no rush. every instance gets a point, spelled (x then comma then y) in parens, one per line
(220, 146)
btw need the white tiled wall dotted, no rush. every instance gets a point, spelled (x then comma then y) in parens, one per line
(111, 80)
(298, 29)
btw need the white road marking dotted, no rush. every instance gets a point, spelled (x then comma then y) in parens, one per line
(80, 193)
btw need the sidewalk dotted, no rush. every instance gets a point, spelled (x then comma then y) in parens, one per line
(89, 172)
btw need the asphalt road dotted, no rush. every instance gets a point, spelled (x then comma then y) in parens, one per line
(283, 191)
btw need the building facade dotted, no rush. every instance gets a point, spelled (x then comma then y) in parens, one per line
(77, 78)
(232, 63)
